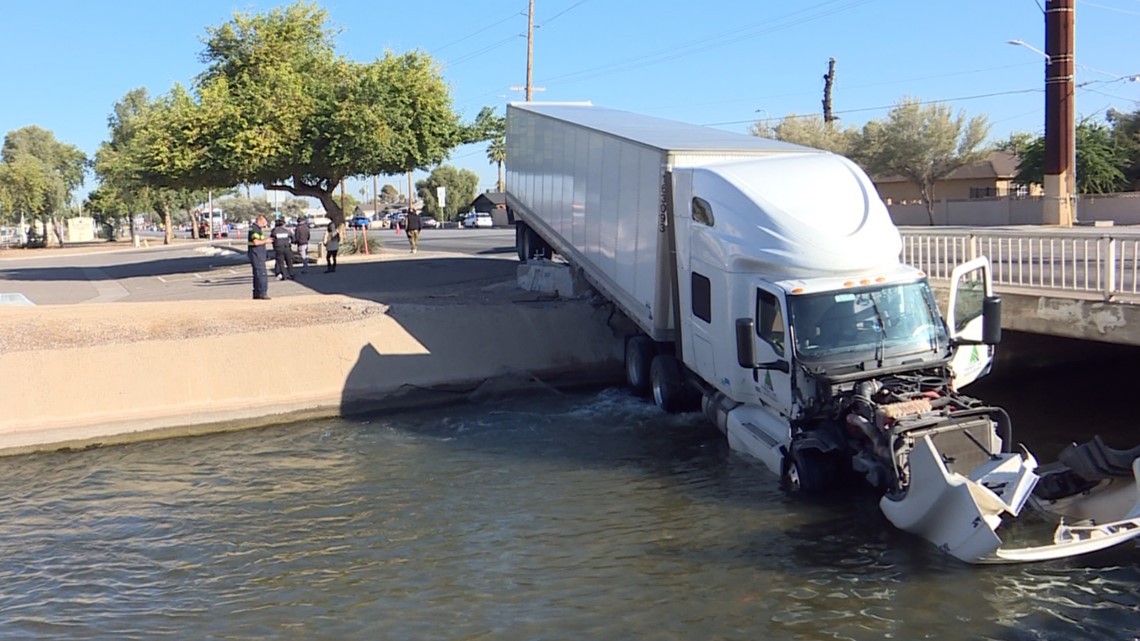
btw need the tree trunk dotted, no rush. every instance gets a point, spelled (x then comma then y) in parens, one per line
(501, 186)
(164, 212)
(928, 200)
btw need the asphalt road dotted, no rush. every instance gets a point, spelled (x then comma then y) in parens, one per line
(212, 270)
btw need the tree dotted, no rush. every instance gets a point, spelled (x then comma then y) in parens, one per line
(389, 194)
(923, 144)
(1126, 135)
(497, 155)
(1016, 143)
(1101, 162)
(277, 106)
(38, 175)
(460, 185)
(810, 131)
(244, 208)
(294, 207)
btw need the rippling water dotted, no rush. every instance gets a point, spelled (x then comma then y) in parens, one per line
(588, 516)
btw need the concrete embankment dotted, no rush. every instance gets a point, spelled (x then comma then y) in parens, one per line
(124, 372)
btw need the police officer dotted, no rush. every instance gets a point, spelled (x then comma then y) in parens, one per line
(257, 257)
(282, 250)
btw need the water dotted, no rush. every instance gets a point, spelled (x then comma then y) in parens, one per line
(581, 516)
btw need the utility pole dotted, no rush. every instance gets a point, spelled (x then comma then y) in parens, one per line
(828, 82)
(529, 47)
(1060, 135)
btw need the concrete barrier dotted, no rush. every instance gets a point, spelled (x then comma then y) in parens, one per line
(370, 357)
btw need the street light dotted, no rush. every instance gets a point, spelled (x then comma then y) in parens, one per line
(1022, 43)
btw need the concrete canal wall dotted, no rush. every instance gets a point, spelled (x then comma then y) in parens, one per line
(112, 373)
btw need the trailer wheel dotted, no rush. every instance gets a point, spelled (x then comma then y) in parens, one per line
(670, 390)
(639, 353)
(529, 244)
(807, 471)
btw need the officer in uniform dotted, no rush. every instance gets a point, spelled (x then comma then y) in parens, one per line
(257, 257)
(282, 250)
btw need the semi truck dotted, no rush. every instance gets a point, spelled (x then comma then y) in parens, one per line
(765, 284)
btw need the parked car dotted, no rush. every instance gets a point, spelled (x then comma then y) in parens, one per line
(429, 222)
(360, 222)
(478, 219)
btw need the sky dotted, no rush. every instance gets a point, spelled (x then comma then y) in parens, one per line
(722, 63)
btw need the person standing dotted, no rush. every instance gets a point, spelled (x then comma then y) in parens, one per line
(257, 257)
(282, 250)
(332, 245)
(413, 224)
(301, 237)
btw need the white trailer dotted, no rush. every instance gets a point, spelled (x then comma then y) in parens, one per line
(766, 283)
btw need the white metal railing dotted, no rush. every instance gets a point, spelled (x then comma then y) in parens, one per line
(1083, 261)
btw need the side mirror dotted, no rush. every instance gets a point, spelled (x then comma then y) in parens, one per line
(745, 348)
(991, 323)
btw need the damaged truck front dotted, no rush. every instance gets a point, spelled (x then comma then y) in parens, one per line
(765, 282)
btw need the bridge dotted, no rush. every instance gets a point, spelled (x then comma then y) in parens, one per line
(1079, 282)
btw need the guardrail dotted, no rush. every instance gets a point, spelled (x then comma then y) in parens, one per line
(1084, 262)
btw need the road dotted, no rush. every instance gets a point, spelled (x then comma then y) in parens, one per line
(213, 270)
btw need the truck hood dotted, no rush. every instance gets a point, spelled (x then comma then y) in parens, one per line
(961, 514)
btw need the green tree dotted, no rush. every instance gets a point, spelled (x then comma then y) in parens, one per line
(923, 144)
(1016, 143)
(497, 155)
(1126, 135)
(460, 185)
(277, 106)
(1101, 162)
(238, 208)
(389, 194)
(38, 175)
(810, 131)
(294, 207)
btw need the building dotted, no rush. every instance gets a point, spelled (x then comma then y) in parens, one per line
(990, 178)
(494, 203)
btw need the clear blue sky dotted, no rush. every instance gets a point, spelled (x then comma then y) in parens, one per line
(723, 63)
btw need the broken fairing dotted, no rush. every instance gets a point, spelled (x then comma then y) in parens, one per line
(961, 513)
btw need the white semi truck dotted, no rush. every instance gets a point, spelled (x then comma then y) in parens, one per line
(765, 281)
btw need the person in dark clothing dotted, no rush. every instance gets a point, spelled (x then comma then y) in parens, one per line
(301, 238)
(412, 222)
(258, 239)
(332, 245)
(282, 250)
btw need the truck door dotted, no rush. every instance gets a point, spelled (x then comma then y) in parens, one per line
(772, 379)
(971, 284)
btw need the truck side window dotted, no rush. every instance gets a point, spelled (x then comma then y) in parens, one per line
(770, 320)
(702, 297)
(702, 212)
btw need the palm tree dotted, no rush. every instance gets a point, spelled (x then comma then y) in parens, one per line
(497, 154)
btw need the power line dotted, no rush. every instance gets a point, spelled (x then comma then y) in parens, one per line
(475, 33)
(553, 17)
(478, 52)
(863, 109)
(709, 42)
(1107, 8)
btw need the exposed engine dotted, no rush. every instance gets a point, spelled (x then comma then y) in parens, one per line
(881, 419)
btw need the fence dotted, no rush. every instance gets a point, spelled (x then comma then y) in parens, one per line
(1086, 263)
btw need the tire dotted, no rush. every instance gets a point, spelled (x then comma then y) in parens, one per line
(529, 244)
(671, 392)
(639, 353)
(807, 471)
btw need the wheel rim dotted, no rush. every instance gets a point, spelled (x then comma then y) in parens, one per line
(794, 476)
(658, 394)
(632, 372)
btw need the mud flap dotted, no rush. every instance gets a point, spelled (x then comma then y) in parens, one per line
(961, 515)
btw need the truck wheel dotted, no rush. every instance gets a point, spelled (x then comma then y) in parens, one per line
(639, 353)
(670, 390)
(807, 471)
(530, 244)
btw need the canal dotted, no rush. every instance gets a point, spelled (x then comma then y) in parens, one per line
(554, 516)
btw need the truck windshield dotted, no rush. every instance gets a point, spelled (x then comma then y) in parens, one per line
(867, 323)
